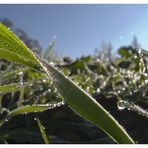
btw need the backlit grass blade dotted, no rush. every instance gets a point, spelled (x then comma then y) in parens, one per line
(11, 48)
(14, 57)
(32, 109)
(84, 105)
(44, 136)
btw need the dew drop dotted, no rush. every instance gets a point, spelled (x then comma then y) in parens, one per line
(43, 127)
(6, 120)
(56, 80)
(120, 105)
(49, 90)
(20, 73)
(54, 105)
(51, 64)
(87, 88)
(145, 74)
(139, 51)
(119, 91)
(123, 88)
(6, 45)
(35, 119)
(20, 83)
(98, 90)
(40, 88)
(44, 80)
(62, 102)
(30, 84)
(135, 56)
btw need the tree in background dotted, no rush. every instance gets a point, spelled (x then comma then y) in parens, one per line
(104, 53)
(135, 44)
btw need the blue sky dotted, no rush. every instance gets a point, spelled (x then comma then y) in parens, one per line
(80, 28)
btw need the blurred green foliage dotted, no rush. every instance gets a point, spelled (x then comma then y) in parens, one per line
(123, 78)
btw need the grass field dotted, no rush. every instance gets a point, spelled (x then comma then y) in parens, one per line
(87, 100)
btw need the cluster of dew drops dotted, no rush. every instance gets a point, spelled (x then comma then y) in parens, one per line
(122, 104)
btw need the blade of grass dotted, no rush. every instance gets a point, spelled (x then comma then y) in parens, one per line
(11, 48)
(8, 88)
(11, 87)
(7, 73)
(84, 105)
(44, 136)
(33, 108)
(30, 109)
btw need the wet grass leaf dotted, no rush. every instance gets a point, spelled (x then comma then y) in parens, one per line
(11, 48)
(10, 88)
(31, 109)
(42, 130)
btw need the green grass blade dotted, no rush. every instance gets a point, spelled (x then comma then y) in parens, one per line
(7, 73)
(11, 48)
(87, 107)
(11, 87)
(30, 109)
(44, 136)
(8, 88)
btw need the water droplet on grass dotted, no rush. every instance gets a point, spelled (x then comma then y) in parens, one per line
(20, 83)
(52, 64)
(87, 88)
(43, 127)
(54, 105)
(6, 120)
(120, 105)
(119, 91)
(98, 90)
(44, 80)
(123, 88)
(6, 44)
(20, 73)
(139, 51)
(49, 90)
(56, 80)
